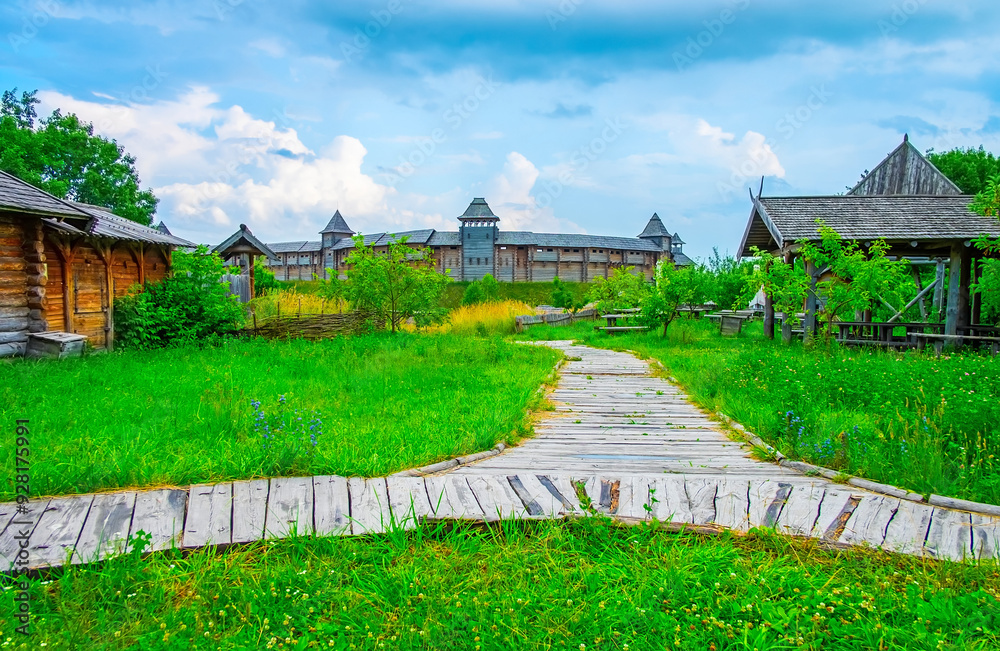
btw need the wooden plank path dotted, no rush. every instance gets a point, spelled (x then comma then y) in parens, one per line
(621, 443)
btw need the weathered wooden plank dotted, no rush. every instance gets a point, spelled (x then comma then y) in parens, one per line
(106, 528)
(669, 500)
(289, 508)
(835, 510)
(766, 501)
(908, 529)
(408, 500)
(451, 497)
(160, 513)
(985, 537)
(209, 515)
(868, 523)
(369, 506)
(731, 504)
(801, 511)
(331, 506)
(562, 489)
(701, 495)
(22, 534)
(249, 509)
(950, 535)
(496, 497)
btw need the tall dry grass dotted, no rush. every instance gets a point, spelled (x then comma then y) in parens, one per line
(484, 319)
(288, 302)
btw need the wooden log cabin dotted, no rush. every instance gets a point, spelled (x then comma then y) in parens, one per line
(63, 263)
(481, 247)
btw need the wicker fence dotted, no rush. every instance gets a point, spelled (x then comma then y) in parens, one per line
(311, 326)
(554, 319)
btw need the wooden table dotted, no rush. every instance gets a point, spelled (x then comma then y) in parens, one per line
(625, 315)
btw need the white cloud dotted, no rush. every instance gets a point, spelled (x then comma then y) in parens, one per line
(510, 196)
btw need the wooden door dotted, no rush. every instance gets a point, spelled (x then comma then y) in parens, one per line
(91, 302)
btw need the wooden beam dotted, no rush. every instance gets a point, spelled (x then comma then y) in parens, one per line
(250, 272)
(977, 298)
(920, 292)
(809, 326)
(954, 287)
(938, 304)
(919, 297)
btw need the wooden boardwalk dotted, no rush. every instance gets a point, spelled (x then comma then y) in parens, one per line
(622, 442)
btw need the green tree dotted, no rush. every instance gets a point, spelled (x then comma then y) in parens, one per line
(486, 290)
(263, 277)
(857, 279)
(787, 284)
(728, 280)
(673, 288)
(189, 306)
(563, 297)
(987, 203)
(623, 290)
(970, 169)
(395, 285)
(62, 155)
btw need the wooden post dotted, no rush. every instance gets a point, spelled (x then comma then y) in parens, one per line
(938, 304)
(954, 288)
(977, 298)
(253, 293)
(920, 289)
(768, 315)
(964, 286)
(140, 258)
(106, 252)
(809, 327)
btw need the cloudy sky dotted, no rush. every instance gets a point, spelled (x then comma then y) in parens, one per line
(568, 116)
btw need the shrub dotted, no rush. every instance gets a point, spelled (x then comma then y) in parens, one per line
(562, 296)
(263, 278)
(190, 305)
(486, 290)
(622, 290)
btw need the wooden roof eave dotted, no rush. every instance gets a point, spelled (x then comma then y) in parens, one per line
(758, 210)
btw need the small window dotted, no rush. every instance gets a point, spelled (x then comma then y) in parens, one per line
(576, 250)
(503, 248)
(539, 250)
(453, 247)
(550, 250)
(520, 248)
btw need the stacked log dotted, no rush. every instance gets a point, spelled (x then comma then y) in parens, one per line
(14, 309)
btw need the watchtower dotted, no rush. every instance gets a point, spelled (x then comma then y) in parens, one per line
(479, 232)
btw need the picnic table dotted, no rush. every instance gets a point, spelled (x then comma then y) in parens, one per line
(625, 316)
(921, 340)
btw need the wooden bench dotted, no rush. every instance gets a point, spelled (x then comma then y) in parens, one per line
(922, 339)
(730, 324)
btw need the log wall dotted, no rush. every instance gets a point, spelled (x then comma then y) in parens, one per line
(14, 310)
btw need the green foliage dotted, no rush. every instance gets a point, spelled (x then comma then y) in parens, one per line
(63, 156)
(486, 290)
(532, 293)
(622, 290)
(184, 415)
(563, 296)
(969, 168)
(189, 306)
(580, 584)
(857, 279)
(396, 285)
(263, 278)
(786, 284)
(728, 279)
(987, 201)
(674, 288)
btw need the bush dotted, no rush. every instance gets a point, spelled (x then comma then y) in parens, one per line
(486, 290)
(622, 290)
(191, 305)
(562, 296)
(263, 278)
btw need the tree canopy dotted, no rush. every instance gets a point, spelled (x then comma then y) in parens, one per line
(970, 169)
(62, 155)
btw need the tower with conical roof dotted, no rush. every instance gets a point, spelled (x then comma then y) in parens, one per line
(657, 233)
(336, 230)
(478, 231)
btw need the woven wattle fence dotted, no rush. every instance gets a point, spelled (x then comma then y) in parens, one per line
(522, 322)
(312, 326)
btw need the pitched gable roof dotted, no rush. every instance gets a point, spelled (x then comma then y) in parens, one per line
(905, 171)
(243, 238)
(655, 228)
(337, 224)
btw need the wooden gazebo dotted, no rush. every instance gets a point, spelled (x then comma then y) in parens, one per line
(905, 201)
(244, 247)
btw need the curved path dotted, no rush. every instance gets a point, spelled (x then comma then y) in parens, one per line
(621, 442)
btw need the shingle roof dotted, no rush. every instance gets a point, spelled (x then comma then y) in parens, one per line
(106, 224)
(287, 247)
(478, 209)
(581, 241)
(445, 238)
(776, 221)
(655, 228)
(20, 196)
(681, 260)
(248, 239)
(421, 237)
(163, 228)
(337, 225)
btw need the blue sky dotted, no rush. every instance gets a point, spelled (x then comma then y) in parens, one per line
(568, 116)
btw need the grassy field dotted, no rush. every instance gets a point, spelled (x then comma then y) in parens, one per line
(360, 406)
(576, 585)
(909, 419)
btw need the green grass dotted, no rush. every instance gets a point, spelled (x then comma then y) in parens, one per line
(545, 585)
(909, 419)
(182, 416)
